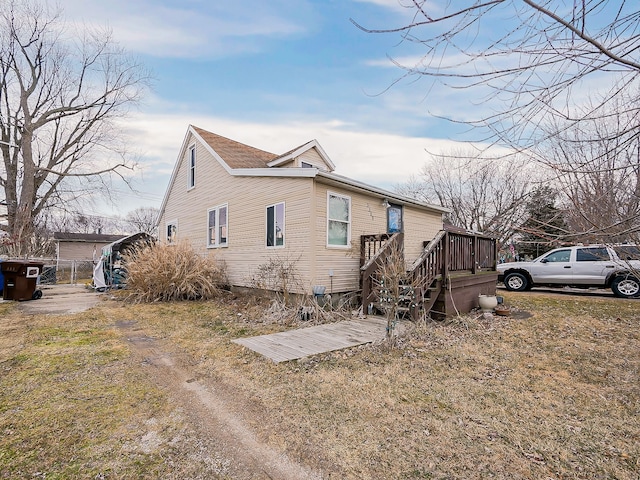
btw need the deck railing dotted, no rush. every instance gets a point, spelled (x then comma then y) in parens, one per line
(431, 263)
(448, 252)
(469, 252)
(374, 251)
(370, 246)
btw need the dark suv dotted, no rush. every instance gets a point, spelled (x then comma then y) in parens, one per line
(582, 266)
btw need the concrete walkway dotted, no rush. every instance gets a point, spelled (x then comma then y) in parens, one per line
(61, 299)
(300, 343)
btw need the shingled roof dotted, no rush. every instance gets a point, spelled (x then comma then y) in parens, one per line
(235, 154)
(85, 237)
(240, 160)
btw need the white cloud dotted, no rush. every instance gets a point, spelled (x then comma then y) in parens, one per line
(392, 4)
(375, 158)
(206, 29)
(407, 6)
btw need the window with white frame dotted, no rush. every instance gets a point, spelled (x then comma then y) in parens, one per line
(275, 225)
(217, 225)
(172, 231)
(192, 166)
(338, 220)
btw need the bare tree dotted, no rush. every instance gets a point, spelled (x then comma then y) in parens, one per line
(530, 65)
(41, 243)
(143, 219)
(60, 92)
(56, 221)
(486, 195)
(394, 289)
(541, 69)
(598, 169)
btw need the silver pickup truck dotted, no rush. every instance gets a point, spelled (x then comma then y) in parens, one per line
(616, 267)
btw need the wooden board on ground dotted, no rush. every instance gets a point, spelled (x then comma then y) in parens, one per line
(300, 343)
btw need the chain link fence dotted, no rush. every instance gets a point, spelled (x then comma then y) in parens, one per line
(66, 271)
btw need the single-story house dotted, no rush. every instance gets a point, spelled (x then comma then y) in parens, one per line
(81, 246)
(76, 254)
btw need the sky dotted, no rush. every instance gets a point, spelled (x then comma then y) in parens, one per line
(274, 75)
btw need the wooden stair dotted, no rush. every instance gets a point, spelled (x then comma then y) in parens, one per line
(429, 300)
(426, 280)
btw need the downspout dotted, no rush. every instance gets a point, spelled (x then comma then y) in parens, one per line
(313, 232)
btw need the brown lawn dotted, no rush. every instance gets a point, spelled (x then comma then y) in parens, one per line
(159, 391)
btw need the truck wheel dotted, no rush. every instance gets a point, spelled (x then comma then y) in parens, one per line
(516, 282)
(625, 286)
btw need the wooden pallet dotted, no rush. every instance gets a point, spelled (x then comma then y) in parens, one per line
(303, 342)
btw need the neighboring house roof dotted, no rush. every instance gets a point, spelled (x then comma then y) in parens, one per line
(85, 237)
(239, 159)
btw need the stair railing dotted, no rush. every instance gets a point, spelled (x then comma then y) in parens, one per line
(447, 252)
(429, 266)
(375, 251)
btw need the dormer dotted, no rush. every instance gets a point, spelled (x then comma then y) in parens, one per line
(309, 155)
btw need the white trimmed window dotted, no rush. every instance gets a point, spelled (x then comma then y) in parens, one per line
(192, 166)
(172, 232)
(338, 220)
(217, 225)
(275, 225)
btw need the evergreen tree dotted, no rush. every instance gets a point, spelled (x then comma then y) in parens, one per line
(545, 223)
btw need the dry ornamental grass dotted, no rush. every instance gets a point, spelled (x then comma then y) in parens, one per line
(164, 273)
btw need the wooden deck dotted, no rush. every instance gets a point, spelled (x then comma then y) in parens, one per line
(445, 280)
(300, 343)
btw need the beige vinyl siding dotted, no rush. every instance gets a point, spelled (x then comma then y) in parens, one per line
(289, 164)
(368, 216)
(247, 227)
(305, 223)
(182, 199)
(312, 157)
(247, 199)
(419, 226)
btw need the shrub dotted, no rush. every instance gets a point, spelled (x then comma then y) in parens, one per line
(162, 273)
(280, 275)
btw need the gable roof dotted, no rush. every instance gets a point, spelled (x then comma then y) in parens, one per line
(236, 154)
(296, 152)
(243, 160)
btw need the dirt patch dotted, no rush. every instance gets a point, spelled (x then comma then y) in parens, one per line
(237, 451)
